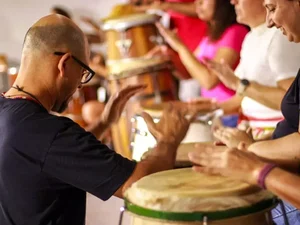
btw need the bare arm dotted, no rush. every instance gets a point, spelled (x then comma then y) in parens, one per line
(195, 68)
(285, 185)
(188, 9)
(268, 96)
(199, 71)
(284, 151)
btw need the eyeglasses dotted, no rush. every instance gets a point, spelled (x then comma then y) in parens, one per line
(87, 74)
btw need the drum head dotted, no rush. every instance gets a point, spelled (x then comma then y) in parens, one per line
(123, 68)
(183, 190)
(124, 22)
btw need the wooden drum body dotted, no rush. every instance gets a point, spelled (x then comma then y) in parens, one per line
(131, 35)
(161, 87)
(182, 197)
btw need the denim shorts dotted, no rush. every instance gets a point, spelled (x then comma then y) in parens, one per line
(292, 213)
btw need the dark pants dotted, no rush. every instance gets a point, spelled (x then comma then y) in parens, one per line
(293, 215)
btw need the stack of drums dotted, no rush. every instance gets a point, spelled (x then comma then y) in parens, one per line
(184, 197)
(129, 39)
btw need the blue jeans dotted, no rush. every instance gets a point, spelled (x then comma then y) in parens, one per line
(293, 215)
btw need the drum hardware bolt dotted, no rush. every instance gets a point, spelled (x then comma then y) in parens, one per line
(122, 210)
(205, 220)
(209, 122)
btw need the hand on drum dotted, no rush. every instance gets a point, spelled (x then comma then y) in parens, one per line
(172, 127)
(233, 137)
(223, 72)
(115, 105)
(220, 160)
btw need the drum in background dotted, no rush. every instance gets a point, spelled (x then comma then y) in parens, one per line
(130, 36)
(155, 73)
(142, 140)
(86, 93)
(182, 196)
(161, 87)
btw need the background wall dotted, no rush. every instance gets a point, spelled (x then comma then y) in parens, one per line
(16, 16)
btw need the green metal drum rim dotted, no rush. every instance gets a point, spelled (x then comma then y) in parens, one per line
(199, 216)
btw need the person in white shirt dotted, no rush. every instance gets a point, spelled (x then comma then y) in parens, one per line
(268, 66)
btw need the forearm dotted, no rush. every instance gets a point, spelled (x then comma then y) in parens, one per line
(188, 9)
(196, 69)
(283, 151)
(285, 185)
(268, 96)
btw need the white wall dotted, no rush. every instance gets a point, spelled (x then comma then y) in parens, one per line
(16, 16)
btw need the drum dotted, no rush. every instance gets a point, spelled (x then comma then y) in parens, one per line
(142, 140)
(161, 87)
(130, 36)
(182, 196)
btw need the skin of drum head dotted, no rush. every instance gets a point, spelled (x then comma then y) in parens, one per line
(183, 190)
(124, 22)
(129, 65)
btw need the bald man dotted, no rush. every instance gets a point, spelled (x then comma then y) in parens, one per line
(47, 163)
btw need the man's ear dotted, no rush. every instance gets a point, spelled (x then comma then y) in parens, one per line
(62, 63)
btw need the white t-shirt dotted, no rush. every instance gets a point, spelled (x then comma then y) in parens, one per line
(266, 58)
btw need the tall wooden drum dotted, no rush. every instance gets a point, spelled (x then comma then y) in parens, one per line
(182, 197)
(161, 87)
(130, 36)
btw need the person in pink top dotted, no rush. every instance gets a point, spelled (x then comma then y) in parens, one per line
(223, 42)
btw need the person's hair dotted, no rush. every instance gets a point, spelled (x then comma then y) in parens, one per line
(224, 17)
(55, 37)
(59, 10)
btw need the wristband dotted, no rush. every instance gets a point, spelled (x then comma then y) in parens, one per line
(263, 174)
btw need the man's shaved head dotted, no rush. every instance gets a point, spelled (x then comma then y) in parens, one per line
(55, 33)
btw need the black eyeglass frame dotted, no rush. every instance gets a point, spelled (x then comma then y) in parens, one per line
(91, 72)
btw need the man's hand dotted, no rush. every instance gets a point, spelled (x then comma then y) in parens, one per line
(172, 127)
(116, 104)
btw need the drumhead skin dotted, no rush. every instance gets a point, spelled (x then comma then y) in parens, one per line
(124, 22)
(123, 68)
(184, 190)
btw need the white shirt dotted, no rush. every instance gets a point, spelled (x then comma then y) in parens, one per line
(266, 58)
